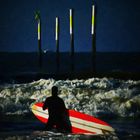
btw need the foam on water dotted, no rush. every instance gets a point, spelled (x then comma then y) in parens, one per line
(94, 96)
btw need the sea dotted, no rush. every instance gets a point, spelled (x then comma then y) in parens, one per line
(105, 85)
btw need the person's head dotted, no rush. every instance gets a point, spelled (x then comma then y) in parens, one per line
(54, 91)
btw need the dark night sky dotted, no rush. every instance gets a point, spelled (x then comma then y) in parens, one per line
(118, 24)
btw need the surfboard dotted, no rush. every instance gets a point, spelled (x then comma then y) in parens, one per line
(80, 123)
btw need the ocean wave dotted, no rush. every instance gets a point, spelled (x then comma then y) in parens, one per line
(94, 96)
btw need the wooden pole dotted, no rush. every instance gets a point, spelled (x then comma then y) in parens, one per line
(71, 33)
(93, 36)
(38, 19)
(57, 42)
(57, 35)
(71, 40)
(93, 31)
(39, 43)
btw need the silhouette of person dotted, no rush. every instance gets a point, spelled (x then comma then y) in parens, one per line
(58, 114)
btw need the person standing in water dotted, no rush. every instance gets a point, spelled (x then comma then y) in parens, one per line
(58, 114)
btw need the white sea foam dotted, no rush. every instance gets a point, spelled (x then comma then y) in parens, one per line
(94, 96)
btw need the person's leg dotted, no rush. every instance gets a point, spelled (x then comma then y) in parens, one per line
(63, 126)
(67, 124)
(59, 124)
(49, 124)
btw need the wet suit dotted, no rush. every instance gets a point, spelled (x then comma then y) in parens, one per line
(57, 114)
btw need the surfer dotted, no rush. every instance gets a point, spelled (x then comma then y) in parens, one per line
(58, 117)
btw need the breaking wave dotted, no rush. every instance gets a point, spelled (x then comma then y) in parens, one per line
(94, 96)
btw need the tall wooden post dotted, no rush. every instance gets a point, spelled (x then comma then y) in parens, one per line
(37, 17)
(71, 40)
(57, 34)
(93, 36)
(93, 31)
(71, 33)
(39, 43)
(57, 42)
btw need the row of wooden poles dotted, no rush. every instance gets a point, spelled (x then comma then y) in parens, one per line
(71, 29)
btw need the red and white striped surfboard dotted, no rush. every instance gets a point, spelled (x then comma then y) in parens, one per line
(81, 123)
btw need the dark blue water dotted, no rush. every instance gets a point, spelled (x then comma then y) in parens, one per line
(83, 65)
